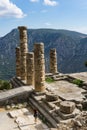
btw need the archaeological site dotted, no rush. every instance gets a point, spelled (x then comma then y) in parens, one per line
(60, 99)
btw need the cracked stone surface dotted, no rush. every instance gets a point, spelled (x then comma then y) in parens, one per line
(66, 90)
(20, 119)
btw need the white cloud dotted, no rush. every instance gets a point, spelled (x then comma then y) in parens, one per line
(8, 9)
(34, 0)
(48, 24)
(50, 2)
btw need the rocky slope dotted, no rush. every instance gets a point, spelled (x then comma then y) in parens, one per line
(71, 49)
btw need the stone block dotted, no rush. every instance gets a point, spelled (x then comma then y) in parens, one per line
(15, 113)
(51, 97)
(22, 121)
(67, 107)
(79, 106)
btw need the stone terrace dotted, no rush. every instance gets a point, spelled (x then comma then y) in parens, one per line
(82, 76)
(66, 90)
(21, 119)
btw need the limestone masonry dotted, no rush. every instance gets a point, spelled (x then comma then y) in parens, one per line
(18, 74)
(23, 50)
(39, 67)
(30, 68)
(53, 61)
(61, 103)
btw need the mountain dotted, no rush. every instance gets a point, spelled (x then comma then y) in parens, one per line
(71, 49)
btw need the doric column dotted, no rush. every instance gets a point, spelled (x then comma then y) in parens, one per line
(53, 61)
(30, 68)
(23, 50)
(17, 61)
(39, 63)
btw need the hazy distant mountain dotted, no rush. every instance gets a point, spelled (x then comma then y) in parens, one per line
(71, 49)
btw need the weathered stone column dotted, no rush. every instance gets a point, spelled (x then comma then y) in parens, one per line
(17, 61)
(23, 50)
(30, 68)
(53, 61)
(39, 63)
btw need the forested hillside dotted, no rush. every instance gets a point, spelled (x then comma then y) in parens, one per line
(71, 49)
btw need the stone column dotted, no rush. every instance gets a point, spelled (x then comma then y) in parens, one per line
(17, 61)
(39, 63)
(30, 68)
(53, 61)
(23, 50)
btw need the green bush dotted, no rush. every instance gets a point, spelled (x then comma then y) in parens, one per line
(86, 64)
(49, 80)
(1, 82)
(78, 82)
(5, 85)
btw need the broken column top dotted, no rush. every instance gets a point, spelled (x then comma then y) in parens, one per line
(22, 28)
(17, 48)
(39, 45)
(51, 97)
(31, 54)
(53, 50)
(67, 107)
(39, 48)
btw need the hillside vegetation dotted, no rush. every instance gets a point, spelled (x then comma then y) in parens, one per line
(71, 49)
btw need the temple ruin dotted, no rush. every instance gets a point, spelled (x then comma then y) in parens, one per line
(39, 67)
(30, 68)
(23, 51)
(61, 102)
(18, 74)
(53, 61)
(56, 106)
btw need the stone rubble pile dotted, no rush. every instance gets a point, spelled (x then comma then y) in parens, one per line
(16, 106)
(78, 123)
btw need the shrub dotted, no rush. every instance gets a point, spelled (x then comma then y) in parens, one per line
(86, 64)
(78, 82)
(5, 85)
(49, 80)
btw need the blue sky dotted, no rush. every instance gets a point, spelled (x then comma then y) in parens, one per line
(57, 14)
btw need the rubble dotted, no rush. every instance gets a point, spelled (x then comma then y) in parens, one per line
(78, 123)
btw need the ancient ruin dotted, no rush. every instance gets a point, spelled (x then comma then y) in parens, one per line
(67, 107)
(53, 61)
(61, 103)
(23, 50)
(18, 74)
(30, 68)
(39, 67)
